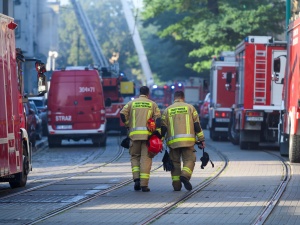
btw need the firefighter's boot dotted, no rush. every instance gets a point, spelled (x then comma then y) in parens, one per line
(186, 183)
(137, 184)
(177, 185)
(145, 189)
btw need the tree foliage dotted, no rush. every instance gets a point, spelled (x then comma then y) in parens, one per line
(203, 28)
(110, 28)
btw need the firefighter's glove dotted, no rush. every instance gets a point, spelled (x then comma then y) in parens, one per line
(167, 162)
(200, 144)
(204, 159)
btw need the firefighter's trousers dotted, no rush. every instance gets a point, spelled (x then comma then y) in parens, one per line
(188, 158)
(140, 162)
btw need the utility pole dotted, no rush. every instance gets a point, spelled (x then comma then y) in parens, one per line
(137, 43)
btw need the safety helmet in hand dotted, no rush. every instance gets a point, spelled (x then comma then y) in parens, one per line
(151, 126)
(154, 144)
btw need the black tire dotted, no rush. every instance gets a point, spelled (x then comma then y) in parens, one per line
(212, 134)
(54, 142)
(39, 136)
(232, 134)
(20, 179)
(294, 148)
(103, 140)
(284, 148)
(100, 141)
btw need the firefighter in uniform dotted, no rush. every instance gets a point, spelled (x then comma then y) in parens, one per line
(181, 127)
(135, 115)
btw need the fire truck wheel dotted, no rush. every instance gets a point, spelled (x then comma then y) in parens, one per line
(294, 146)
(243, 144)
(284, 148)
(232, 134)
(212, 134)
(20, 179)
(100, 141)
(54, 141)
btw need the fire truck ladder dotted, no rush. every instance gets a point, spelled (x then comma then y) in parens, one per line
(94, 46)
(260, 76)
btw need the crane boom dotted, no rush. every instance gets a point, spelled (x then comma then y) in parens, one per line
(89, 34)
(138, 43)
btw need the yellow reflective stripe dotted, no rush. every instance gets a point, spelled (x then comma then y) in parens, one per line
(200, 134)
(195, 113)
(144, 175)
(175, 178)
(188, 170)
(181, 139)
(171, 126)
(188, 127)
(139, 132)
(149, 114)
(135, 169)
(133, 121)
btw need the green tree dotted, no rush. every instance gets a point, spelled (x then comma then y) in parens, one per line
(111, 31)
(207, 27)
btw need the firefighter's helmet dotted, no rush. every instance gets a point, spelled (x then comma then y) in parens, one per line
(151, 125)
(154, 145)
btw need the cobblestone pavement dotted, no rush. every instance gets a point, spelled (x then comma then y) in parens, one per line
(236, 197)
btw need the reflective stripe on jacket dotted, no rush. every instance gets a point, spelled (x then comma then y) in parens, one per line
(137, 112)
(179, 118)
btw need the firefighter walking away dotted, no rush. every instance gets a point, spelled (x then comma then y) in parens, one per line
(142, 118)
(181, 127)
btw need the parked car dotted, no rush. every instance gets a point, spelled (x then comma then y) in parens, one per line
(41, 104)
(204, 110)
(30, 123)
(39, 128)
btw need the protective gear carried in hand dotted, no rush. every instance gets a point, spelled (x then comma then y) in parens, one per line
(199, 144)
(125, 142)
(151, 126)
(154, 145)
(204, 159)
(167, 162)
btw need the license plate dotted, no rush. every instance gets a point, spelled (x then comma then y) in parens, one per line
(64, 127)
(259, 119)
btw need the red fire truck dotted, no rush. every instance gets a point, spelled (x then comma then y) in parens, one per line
(221, 99)
(116, 87)
(289, 124)
(258, 104)
(15, 149)
(163, 95)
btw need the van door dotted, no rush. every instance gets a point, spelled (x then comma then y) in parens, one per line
(63, 100)
(89, 100)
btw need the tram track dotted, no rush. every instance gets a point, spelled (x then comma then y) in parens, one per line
(261, 218)
(170, 206)
(271, 204)
(178, 200)
(166, 209)
(79, 168)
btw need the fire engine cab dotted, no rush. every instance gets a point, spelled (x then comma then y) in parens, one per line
(221, 99)
(15, 148)
(116, 87)
(258, 100)
(289, 123)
